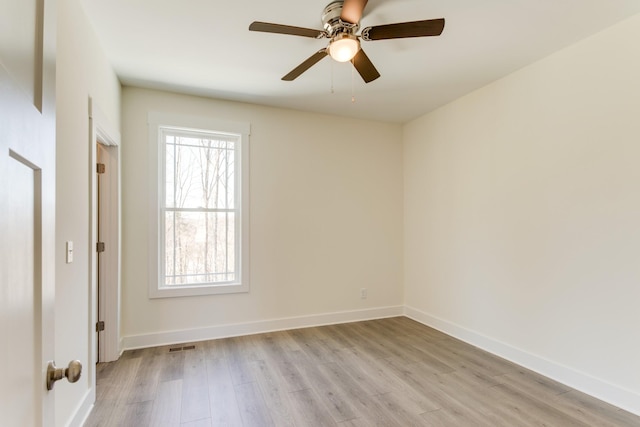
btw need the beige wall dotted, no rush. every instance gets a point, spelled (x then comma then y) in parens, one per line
(325, 215)
(82, 71)
(522, 215)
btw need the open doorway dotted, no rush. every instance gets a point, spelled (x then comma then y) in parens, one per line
(105, 220)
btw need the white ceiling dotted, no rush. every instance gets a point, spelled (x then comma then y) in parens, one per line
(204, 47)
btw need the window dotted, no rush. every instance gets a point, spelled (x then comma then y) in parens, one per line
(199, 237)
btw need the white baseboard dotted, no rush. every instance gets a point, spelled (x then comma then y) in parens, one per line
(610, 393)
(83, 410)
(238, 329)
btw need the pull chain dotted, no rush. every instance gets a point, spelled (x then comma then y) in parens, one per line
(353, 90)
(331, 76)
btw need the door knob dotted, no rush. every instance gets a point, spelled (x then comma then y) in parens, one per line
(72, 372)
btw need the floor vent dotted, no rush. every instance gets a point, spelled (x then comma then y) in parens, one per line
(186, 347)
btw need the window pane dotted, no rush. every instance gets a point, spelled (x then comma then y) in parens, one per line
(199, 172)
(199, 248)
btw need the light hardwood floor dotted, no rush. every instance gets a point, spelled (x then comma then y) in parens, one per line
(390, 372)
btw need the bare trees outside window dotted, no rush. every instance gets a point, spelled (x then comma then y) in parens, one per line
(201, 223)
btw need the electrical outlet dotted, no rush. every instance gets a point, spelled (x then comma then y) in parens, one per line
(363, 293)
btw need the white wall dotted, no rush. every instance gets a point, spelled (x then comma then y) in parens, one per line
(522, 216)
(82, 71)
(326, 220)
(520, 205)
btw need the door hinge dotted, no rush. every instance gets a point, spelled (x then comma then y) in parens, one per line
(101, 168)
(100, 326)
(100, 247)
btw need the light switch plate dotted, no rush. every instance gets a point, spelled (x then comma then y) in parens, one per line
(69, 252)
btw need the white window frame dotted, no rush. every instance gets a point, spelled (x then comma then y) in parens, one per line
(156, 121)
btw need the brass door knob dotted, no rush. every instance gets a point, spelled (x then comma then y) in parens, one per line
(72, 373)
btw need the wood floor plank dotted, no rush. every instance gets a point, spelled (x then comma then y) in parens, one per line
(403, 411)
(238, 361)
(136, 353)
(469, 390)
(286, 341)
(356, 422)
(426, 383)
(367, 408)
(223, 404)
(166, 407)
(479, 359)
(121, 379)
(137, 414)
(531, 410)
(597, 411)
(251, 347)
(275, 393)
(333, 341)
(277, 353)
(445, 417)
(253, 409)
(369, 376)
(145, 382)
(382, 375)
(213, 349)
(171, 366)
(101, 415)
(313, 346)
(339, 405)
(195, 387)
(421, 353)
(384, 342)
(104, 370)
(308, 409)
(467, 380)
(388, 372)
(415, 329)
(113, 394)
(339, 335)
(557, 395)
(199, 423)
(291, 375)
(535, 383)
(360, 341)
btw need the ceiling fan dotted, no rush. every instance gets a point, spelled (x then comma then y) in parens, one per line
(341, 22)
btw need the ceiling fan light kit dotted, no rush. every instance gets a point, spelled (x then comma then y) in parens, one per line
(344, 47)
(341, 22)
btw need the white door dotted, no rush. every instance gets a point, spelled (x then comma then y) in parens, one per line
(27, 210)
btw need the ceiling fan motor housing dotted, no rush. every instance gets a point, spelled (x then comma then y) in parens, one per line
(332, 23)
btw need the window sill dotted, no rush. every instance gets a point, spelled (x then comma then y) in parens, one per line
(187, 291)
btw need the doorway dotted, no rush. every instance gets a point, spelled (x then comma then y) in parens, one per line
(105, 218)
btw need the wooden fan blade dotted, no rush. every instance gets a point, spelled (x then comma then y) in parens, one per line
(310, 62)
(430, 27)
(365, 67)
(267, 27)
(352, 10)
